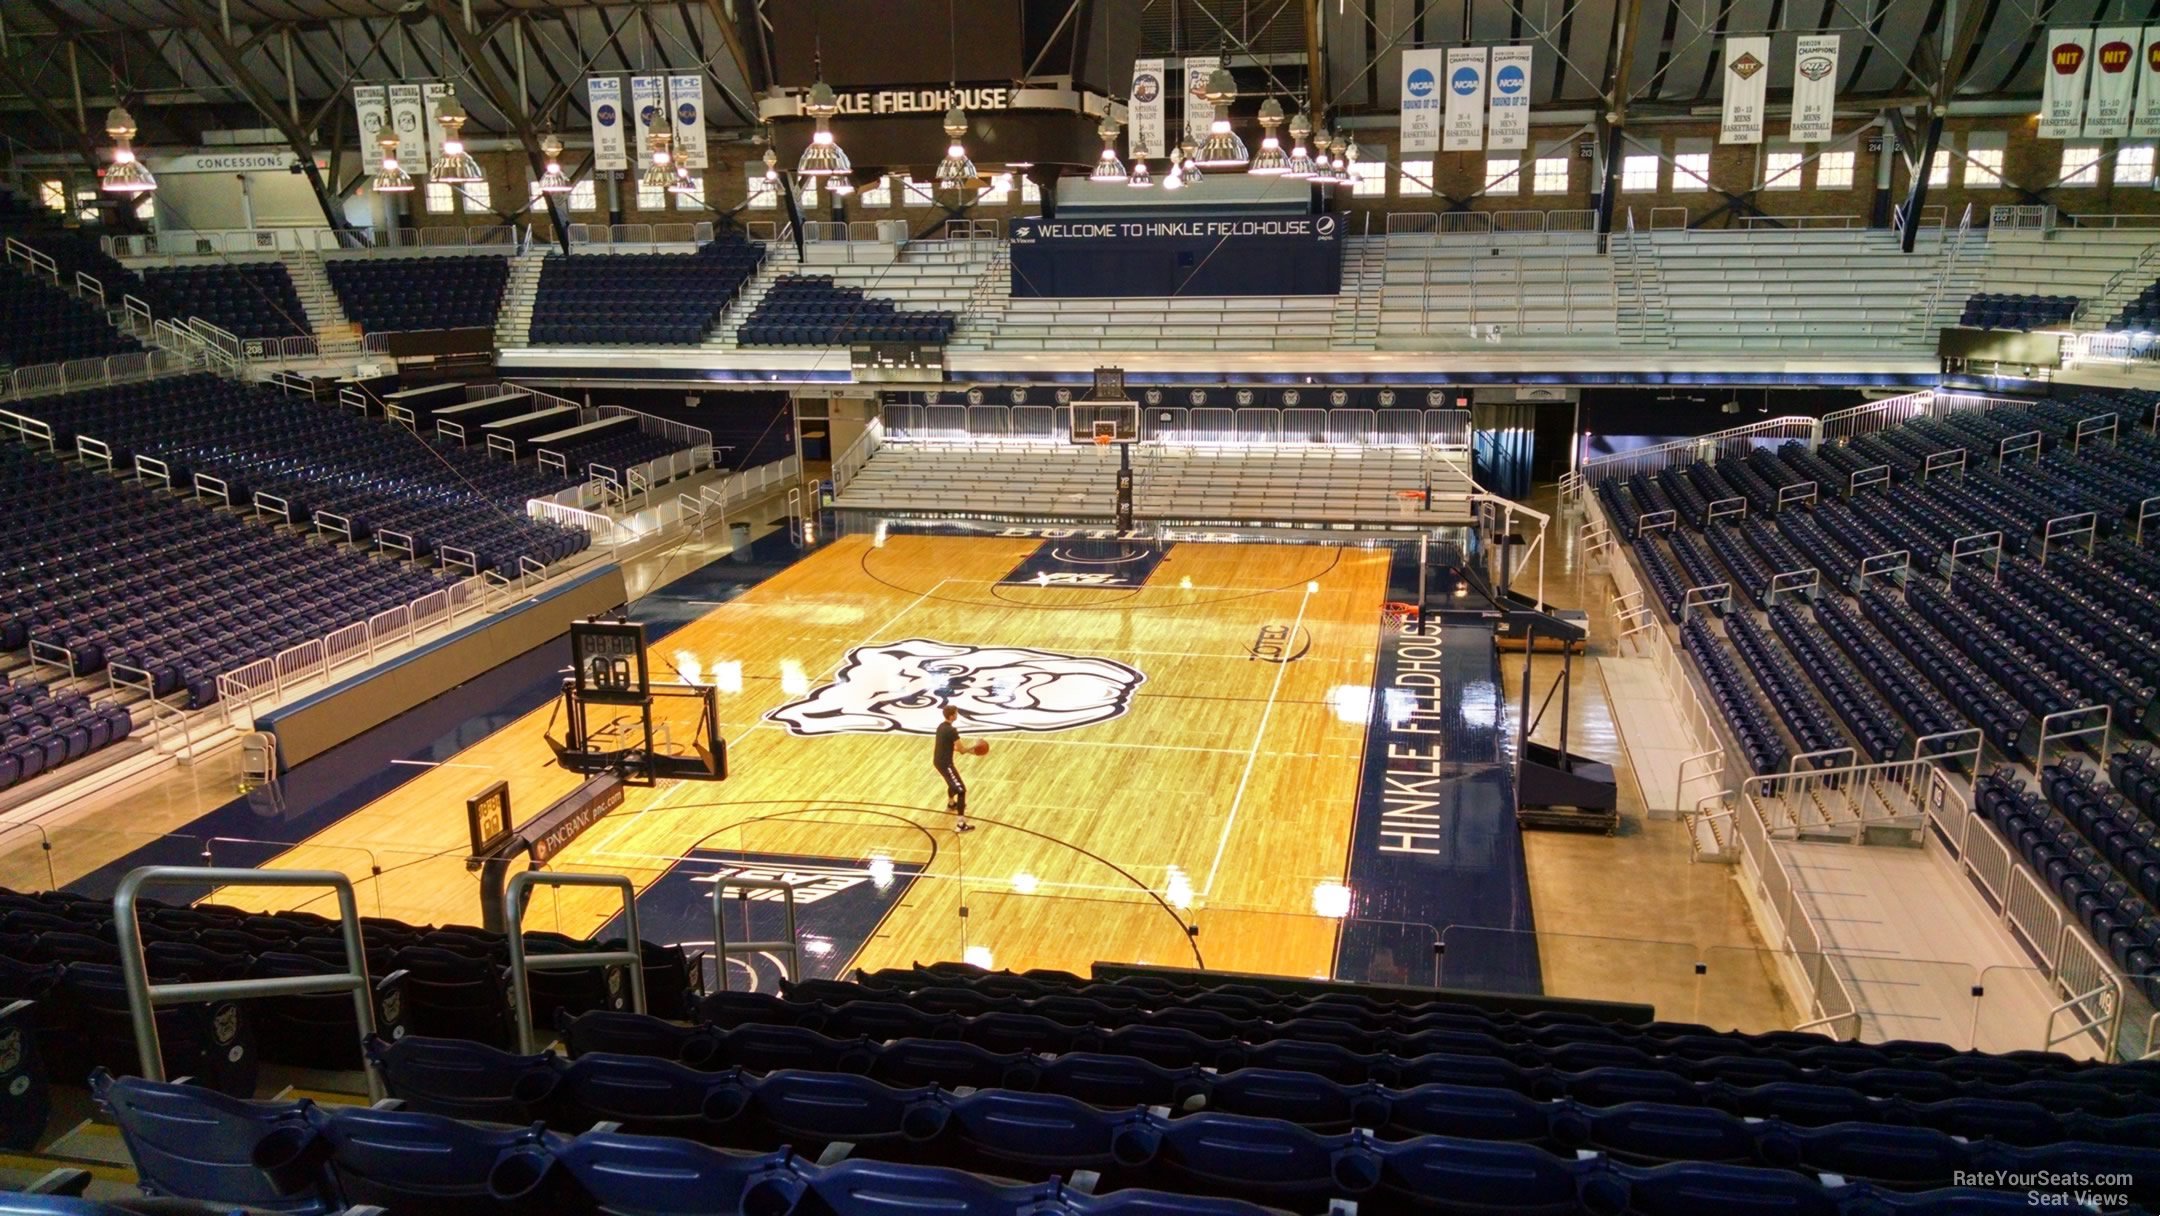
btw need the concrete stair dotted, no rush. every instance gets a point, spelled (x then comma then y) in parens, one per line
(326, 315)
(1357, 307)
(513, 321)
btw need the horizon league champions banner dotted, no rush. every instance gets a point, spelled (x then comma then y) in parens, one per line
(1508, 128)
(1465, 129)
(1289, 256)
(1814, 98)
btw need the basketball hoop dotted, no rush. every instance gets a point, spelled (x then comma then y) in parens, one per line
(1105, 432)
(1399, 617)
(1102, 439)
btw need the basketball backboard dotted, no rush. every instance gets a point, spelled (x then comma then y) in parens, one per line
(1105, 422)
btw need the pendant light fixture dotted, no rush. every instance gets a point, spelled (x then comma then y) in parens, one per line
(1269, 161)
(127, 175)
(1351, 156)
(1175, 178)
(1300, 163)
(956, 171)
(1108, 168)
(823, 157)
(457, 165)
(1141, 178)
(390, 178)
(552, 179)
(1339, 159)
(1189, 162)
(660, 168)
(1222, 149)
(772, 167)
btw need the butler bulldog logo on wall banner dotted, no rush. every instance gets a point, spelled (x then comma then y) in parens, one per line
(2062, 88)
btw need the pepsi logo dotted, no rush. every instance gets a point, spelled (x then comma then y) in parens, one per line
(1464, 81)
(2067, 58)
(2115, 57)
(1324, 225)
(1510, 80)
(1420, 83)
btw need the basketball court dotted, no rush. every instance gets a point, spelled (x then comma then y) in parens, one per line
(1177, 735)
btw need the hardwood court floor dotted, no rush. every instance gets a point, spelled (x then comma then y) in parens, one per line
(1227, 786)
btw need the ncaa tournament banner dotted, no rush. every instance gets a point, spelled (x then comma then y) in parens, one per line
(686, 101)
(1465, 131)
(1198, 113)
(408, 117)
(2145, 117)
(1747, 86)
(2107, 107)
(371, 105)
(1508, 127)
(432, 94)
(648, 106)
(604, 94)
(1421, 99)
(1814, 88)
(2062, 89)
(1144, 135)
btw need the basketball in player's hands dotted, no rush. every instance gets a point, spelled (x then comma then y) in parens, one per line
(982, 747)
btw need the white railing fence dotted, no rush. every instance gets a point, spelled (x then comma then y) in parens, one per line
(1718, 445)
(850, 462)
(1183, 426)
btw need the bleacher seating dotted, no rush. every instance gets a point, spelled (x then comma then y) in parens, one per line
(246, 299)
(1996, 310)
(643, 299)
(41, 730)
(2140, 315)
(1544, 289)
(619, 452)
(2092, 848)
(419, 292)
(42, 323)
(811, 310)
(321, 458)
(118, 572)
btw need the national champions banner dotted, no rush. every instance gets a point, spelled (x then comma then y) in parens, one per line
(408, 117)
(1508, 126)
(686, 102)
(2145, 116)
(1422, 72)
(1198, 113)
(1465, 130)
(2114, 82)
(1814, 88)
(648, 108)
(604, 95)
(2062, 89)
(1144, 137)
(371, 106)
(432, 94)
(1291, 255)
(1747, 86)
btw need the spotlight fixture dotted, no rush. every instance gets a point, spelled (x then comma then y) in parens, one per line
(1323, 172)
(1341, 151)
(552, 181)
(1222, 149)
(956, 171)
(823, 157)
(1300, 163)
(1350, 157)
(1141, 178)
(1175, 178)
(1189, 162)
(772, 167)
(1108, 168)
(841, 187)
(126, 175)
(660, 173)
(1269, 161)
(684, 183)
(457, 165)
(390, 178)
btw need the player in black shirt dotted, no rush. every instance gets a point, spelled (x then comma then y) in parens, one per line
(948, 736)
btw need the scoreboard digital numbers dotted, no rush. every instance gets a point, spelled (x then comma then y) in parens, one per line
(487, 813)
(610, 662)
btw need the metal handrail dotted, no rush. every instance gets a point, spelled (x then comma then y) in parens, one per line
(144, 997)
(722, 950)
(521, 965)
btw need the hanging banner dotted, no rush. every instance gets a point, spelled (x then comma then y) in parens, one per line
(2062, 83)
(686, 102)
(1465, 130)
(1422, 99)
(1508, 127)
(373, 108)
(408, 117)
(604, 95)
(2114, 79)
(648, 105)
(2145, 116)
(1198, 113)
(432, 94)
(1747, 83)
(1144, 135)
(1814, 88)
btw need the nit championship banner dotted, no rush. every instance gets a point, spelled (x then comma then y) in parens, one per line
(2114, 82)
(1747, 87)
(2062, 89)
(1814, 88)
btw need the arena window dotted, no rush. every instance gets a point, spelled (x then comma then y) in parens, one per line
(764, 195)
(1834, 171)
(1781, 171)
(1691, 171)
(1371, 179)
(2133, 164)
(1984, 158)
(1940, 174)
(2081, 164)
(1639, 173)
(53, 194)
(878, 194)
(695, 199)
(999, 191)
(441, 199)
(1416, 179)
(1552, 175)
(1503, 176)
(917, 194)
(1030, 192)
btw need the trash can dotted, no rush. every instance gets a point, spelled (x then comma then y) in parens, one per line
(738, 536)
